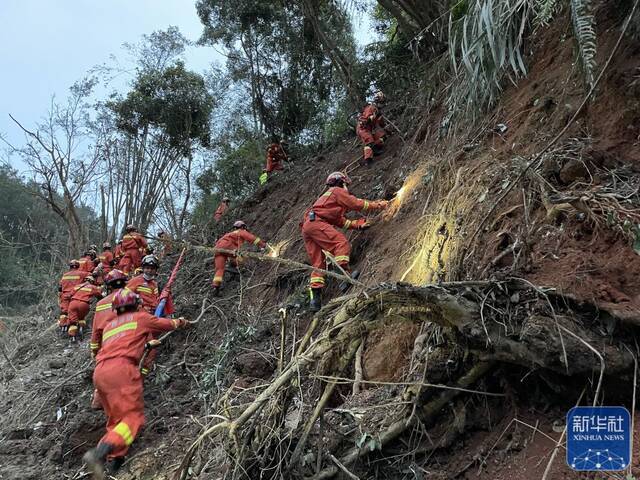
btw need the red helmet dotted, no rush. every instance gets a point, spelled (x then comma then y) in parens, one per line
(379, 97)
(74, 264)
(338, 178)
(130, 228)
(125, 298)
(114, 276)
(106, 245)
(239, 224)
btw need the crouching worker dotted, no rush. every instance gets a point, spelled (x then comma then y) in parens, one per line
(118, 380)
(232, 241)
(80, 305)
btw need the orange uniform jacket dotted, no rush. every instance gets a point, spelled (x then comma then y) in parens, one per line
(220, 211)
(106, 260)
(87, 264)
(104, 314)
(124, 337)
(148, 291)
(275, 157)
(69, 280)
(371, 118)
(334, 203)
(85, 292)
(234, 240)
(119, 252)
(134, 241)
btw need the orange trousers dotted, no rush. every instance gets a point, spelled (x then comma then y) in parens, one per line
(369, 138)
(131, 260)
(63, 301)
(78, 310)
(119, 385)
(220, 261)
(318, 236)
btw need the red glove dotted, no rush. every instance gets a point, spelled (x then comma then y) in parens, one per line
(380, 204)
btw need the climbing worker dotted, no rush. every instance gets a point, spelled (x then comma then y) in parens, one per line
(88, 261)
(319, 232)
(80, 304)
(222, 208)
(370, 128)
(106, 258)
(275, 155)
(232, 241)
(74, 276)
(118, 380)
(114, 281)
(134, 246)
(118, 253)
(145, 285)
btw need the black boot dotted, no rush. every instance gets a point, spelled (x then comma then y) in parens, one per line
(95, 459)
(315, 301)
(344, 286)
(114, 465)
(216, 291)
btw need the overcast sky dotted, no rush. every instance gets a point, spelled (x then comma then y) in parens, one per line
(46, 45)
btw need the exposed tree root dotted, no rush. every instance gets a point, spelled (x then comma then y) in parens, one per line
(511, 322)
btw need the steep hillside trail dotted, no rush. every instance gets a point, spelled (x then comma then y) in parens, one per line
(504, 322)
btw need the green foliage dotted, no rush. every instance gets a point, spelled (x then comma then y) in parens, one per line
(174, 100)
(585, 33)
(276, 60)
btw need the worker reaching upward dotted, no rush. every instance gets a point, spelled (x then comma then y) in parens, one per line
(165, 243)
(221, 210)
(145, 284)
(370, 128)
(319, 232)
(80, 305)
(68, 281)
(232, 241)
(276, 154)
(134, 246)
(118, 380)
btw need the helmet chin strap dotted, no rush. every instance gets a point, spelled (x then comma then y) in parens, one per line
(149, 276)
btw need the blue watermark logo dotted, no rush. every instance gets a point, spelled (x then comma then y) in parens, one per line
(598, 438)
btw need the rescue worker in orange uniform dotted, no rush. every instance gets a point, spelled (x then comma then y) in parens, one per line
(106, 258)
(232, 241)
(370, 128)
(89, 261)
(80, 305)
(221, 210)
(114, 281)
(118, 253)
(145, 285)
(134, 246)
(68, 281)
(118, 380)
(275, 155)
(319, 232)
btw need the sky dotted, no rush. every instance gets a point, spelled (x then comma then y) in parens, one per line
(46, 45)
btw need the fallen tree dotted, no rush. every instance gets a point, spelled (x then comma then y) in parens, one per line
(496, 323)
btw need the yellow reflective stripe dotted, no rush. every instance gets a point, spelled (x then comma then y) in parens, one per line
(342, 258)
(257, 241)
(124, 431)
(104, 306)
(71, 277)
(366, 205)
(145, 289)
(144, 371)
(122, 328)
(217, 279)
(317, 279)
(86, 289)
(94, 346)
(327, 193)
(348, 223)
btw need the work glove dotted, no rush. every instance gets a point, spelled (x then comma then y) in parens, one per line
(182, 322)
(380, 204)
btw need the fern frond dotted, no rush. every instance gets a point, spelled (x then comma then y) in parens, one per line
(585, 33)
(545, 10)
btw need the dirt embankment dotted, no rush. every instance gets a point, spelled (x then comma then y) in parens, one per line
(565, 226)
